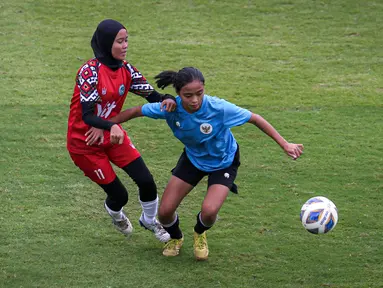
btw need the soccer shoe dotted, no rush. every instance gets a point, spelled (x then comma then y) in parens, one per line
(201, 250)
(156, 228)
(123, 225)
(172, 247)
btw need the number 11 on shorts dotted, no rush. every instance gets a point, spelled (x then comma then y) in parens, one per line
(99, 174)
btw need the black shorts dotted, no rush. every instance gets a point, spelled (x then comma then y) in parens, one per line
(186, 171)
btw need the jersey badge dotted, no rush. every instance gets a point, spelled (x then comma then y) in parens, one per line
(206, 128)
(178, 124)
(121, 90)
(103, 91)
(226, 175)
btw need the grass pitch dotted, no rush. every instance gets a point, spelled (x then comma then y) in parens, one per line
(311, 68)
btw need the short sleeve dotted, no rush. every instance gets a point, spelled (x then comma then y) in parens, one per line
(152, 110)
(87, 79)
(234, 115)
(139, 85)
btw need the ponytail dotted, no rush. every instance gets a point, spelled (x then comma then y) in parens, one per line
(179, 79)
(165, 78)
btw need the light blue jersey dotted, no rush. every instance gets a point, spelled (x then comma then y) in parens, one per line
(206, 134)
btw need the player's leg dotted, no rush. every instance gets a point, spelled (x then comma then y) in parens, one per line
(128, 158)
(148, 198)
(174, 193)
(185, 177)
(219, 184)
(97, 167)
(212, 203)
(114, 203)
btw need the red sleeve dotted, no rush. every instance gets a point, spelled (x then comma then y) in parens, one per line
(87, 80)
(139, 85)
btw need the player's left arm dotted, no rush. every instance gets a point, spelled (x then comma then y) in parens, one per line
(291, 149)
(141, 87)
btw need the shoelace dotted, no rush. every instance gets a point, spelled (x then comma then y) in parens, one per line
(171, 244)
(159, 229)
(123, 223)
(156, 227)
(201, 241)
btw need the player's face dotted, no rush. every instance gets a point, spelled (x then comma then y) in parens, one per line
(120, 45)
(192, 95)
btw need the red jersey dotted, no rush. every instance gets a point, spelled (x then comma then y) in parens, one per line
(96, 82)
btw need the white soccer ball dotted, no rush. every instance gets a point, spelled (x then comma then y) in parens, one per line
(319, 215)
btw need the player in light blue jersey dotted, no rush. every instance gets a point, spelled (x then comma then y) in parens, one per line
(202, 123)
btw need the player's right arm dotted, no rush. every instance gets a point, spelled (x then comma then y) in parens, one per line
(93, 134)
(128, 114)
(151, 110)
(87, 79)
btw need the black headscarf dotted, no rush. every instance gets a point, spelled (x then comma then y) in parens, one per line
(102, 42)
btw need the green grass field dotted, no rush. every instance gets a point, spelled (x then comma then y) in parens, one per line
(311, 68)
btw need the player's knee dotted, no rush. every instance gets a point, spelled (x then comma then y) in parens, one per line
(165, 214)
(117, 193)
(147, 189)
(147, 183)
(209, 212)
(119, 196)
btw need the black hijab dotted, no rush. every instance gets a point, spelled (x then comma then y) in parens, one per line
(102, 42)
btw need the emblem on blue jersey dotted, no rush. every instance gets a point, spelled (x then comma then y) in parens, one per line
(206, 128)
(178, 124)
(121, 90)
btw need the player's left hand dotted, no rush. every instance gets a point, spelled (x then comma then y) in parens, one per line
(94, 135)
(169, 105)
(293, 150)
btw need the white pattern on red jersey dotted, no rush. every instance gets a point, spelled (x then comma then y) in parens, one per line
(140, 85)
(98, 83)
(87, 81)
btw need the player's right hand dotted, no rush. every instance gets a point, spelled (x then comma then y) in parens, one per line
(116, 135)
(169, 105)
(94, 135)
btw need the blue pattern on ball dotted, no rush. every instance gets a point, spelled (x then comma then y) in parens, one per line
(314, 216)
(330, 224)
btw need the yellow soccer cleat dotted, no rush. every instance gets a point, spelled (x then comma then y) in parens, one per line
(201, 250)
(172, 247)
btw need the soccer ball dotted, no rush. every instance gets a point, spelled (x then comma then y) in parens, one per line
(319, 215)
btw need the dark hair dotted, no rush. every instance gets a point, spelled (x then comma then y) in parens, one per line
(179, 79)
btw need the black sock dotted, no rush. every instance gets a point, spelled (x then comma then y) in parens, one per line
(199, 227)
(174, 230)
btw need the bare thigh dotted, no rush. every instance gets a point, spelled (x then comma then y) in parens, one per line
(174, 193)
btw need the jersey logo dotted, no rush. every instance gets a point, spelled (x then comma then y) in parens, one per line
(121, 90)
(103, 92)
(104, 113)
(178, 124)
(206, 128)
(226, 175)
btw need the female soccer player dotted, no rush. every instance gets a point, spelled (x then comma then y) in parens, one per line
(202, 123)
(102, 84)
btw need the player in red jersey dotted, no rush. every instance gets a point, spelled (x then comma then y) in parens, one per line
(102, 84)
